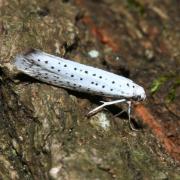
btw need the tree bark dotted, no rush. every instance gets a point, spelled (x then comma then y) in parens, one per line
(44, 131)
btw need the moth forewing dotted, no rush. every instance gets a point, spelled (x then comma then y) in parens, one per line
(79, 77)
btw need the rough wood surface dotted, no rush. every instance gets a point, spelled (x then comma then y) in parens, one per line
(44, 132)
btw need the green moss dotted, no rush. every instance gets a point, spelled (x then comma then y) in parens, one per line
(161, 82)
(157, 83)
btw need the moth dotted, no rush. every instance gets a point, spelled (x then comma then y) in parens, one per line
(79, 77)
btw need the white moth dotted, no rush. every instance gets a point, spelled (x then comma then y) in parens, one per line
(75, 76)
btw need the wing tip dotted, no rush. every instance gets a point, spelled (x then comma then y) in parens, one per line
(19, 63)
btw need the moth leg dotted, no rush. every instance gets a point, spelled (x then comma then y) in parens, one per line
(105, 104)
(129, 116)
(118, 114)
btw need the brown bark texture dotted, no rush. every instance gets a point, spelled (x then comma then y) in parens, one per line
(44, 131)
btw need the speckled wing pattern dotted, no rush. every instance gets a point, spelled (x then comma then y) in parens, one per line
(72, 75)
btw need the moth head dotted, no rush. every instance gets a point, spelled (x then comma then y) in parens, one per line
(139, 93)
